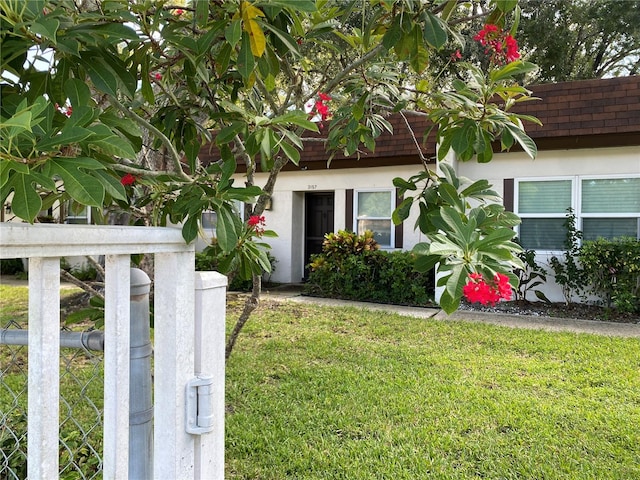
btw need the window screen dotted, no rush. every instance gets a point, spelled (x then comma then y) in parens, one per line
(373, 212)
(544, 197)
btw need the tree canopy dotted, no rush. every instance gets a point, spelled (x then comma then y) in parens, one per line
(581, 39)
(108, 103)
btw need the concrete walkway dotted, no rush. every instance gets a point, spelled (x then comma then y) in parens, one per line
(614, 329)
(293, 293)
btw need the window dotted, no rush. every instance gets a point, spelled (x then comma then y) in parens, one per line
(373, 212)
(604, 207)
(77, 214)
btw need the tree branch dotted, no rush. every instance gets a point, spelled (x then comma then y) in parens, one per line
(175, 156)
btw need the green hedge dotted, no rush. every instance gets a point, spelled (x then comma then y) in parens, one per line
(352, 267)
(612, 267)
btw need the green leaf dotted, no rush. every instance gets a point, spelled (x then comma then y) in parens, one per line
(228, 133)
(190, 228)
(448, 302)
(450, 195)
(26, 202)
(453, 220)
(233, 32)
(67, 136)
(527, 144)
(83, 188)
(495, 238)
(77, 92)
(246, 62)
(512, 69)
(295, 5)
(506, 5)
(393, 34)
(285, 38)
(425, 263)
(435, 32)
(295, 117)
(101, 75)
(112, 143)
(291, 152)
(47, 27)
(17, 124)
(202, 12)
(401, 213)
(225, 229)
(112, 185)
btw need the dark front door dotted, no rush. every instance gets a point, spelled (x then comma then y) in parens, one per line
(318, 222)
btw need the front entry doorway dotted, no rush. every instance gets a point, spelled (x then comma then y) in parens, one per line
(318, 222)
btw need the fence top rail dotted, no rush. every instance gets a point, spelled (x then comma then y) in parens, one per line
(20, 240)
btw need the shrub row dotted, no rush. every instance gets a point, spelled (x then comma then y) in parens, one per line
(612, 271)
(352, 267)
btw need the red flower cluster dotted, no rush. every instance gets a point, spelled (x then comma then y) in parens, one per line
(478, 291)
(500, 44)
(128, 179)
(156, 76)
(178, 11)
(258, 223)
(67, 111)
(321, 108)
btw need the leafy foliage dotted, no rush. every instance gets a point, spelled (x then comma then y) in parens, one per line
(568, 272)
(578, 39)
(530, 276)
(109, 103)
(462, 239)
(352, 267)
(612, 268)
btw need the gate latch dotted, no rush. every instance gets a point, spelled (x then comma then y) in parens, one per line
(200, 405)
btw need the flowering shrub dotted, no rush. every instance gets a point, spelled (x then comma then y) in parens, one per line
(502, 47)
(477, 290)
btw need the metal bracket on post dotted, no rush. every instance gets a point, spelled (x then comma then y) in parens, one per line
(200, 405)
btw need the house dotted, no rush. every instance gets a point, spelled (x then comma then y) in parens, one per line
(588, 159)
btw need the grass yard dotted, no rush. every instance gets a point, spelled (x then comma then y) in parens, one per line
(336, 393)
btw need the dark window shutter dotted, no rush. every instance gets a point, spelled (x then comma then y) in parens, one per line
(399, 228)
(348, 210)
(507, 195)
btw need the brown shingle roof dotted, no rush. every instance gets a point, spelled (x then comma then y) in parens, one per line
(586, 113)
(579, 114)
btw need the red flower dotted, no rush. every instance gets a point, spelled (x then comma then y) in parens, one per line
(258, 223)
(456, 56)
(324, 97)
(156, 76)
(502, 47)
(179, 11)
(477, 290)
(128, 179)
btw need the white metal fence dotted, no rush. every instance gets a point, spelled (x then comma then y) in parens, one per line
(188, 347)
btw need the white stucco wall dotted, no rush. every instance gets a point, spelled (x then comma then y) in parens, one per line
(287, 214)
(603, 161)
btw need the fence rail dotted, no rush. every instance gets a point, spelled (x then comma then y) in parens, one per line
(186, 346)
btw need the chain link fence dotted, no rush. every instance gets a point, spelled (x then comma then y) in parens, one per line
(81, 406)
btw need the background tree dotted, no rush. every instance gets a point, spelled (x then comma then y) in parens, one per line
(581, 39)
(107, 104)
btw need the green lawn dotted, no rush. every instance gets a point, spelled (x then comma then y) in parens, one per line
(336, 393)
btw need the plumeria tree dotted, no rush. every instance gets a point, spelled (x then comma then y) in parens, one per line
(107, 104)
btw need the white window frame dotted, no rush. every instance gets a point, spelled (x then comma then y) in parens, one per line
(576, 201)
(68, 215)
(392, 206)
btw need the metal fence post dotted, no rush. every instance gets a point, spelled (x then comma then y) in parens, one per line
(140, 384)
